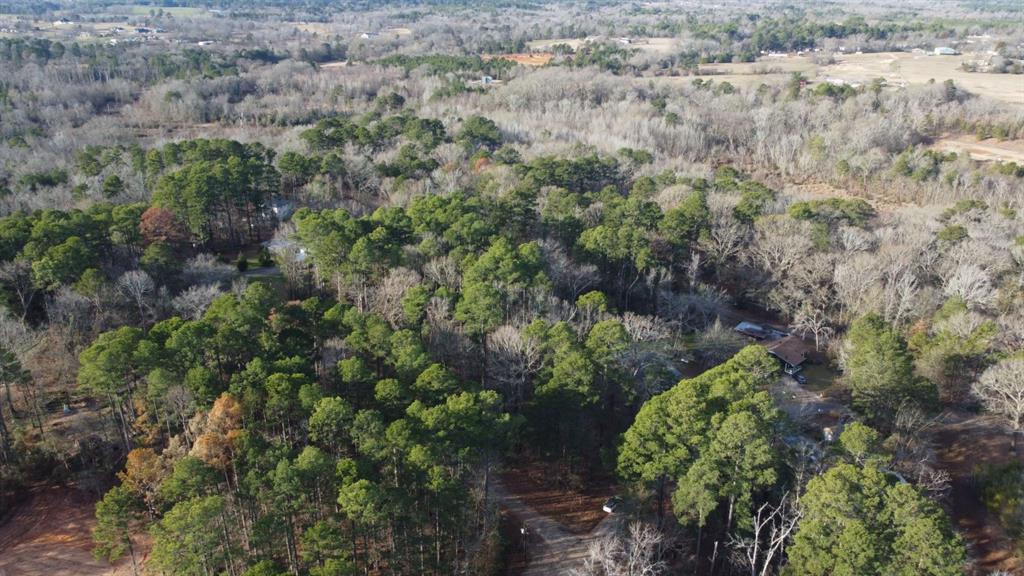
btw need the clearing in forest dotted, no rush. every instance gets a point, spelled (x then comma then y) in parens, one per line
(897, 68)
(965, 443)
(988, 150)
(50, 534)
(531, 59)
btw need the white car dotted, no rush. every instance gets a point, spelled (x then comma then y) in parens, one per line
(612, 504)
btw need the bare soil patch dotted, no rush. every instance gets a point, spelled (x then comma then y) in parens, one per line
(525, 59)
(578, 509)
(966, 442)
(988, 150)
(897, 68)
(50, 534)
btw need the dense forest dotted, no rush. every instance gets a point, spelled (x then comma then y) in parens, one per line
(522, 287)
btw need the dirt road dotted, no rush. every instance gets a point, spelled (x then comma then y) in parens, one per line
(551, 548)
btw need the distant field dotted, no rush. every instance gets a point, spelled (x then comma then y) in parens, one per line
(314, 27)
(655, 45)
(573, 43)
(535, 59)
(174, 10)
(898, 68)
(984, 150)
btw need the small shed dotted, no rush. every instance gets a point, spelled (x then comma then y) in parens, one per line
(791, 351)
(752, 330)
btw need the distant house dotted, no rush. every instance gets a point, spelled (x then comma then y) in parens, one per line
(791, 351)
(368, 35)
(62, 22)
(945, 51)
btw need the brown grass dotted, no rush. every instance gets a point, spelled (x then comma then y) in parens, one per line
(524, 59)
(897, 68)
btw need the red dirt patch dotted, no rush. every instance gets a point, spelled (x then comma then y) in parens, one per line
(578, 509)
(50, 534)
(965, 443)
(525, 59)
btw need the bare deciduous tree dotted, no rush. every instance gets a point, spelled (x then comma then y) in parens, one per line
(512, 360)
(569, 276)
(17, 275)
(1001, 390)
(636, 553)
(138, 287)
(386, 299)
(772, 526)
(972, 284)
(717, 344)
(193, 301)
(816, 322)
(206, 269)
(443, 271)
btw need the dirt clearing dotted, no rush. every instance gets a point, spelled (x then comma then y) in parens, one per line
(964, 443)
(532, 59)
(897, 68)
(654, 45)
(560, 522)
(988, 150)
(50, 534)
(579, 510)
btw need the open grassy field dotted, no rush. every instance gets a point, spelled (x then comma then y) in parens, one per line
(573, 43)
(897, 68)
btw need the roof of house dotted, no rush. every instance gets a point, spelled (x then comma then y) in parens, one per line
(751, 329)
(790, 350)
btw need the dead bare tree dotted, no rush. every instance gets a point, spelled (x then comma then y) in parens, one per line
(772, 526)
